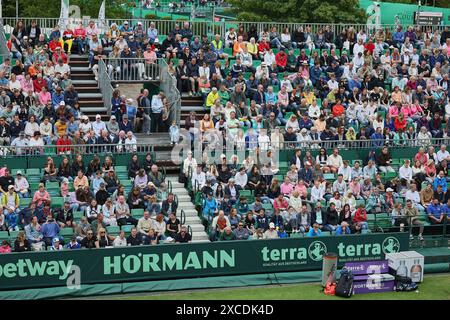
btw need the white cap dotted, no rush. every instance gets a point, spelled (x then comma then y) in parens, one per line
(62, 103)
(139, 23)
(389, 190)
(272, 225)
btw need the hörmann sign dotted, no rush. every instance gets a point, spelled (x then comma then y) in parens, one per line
(46, 269)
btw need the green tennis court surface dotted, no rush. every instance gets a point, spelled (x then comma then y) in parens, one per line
(435, 287)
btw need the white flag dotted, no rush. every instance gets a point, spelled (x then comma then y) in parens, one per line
(64, 15)
(101, 16)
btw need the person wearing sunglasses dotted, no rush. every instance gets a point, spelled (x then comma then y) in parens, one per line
(89, 241)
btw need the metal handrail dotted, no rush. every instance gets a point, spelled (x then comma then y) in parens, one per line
(182, 217)
(104, 82)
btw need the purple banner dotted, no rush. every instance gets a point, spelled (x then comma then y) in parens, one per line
(368, 267)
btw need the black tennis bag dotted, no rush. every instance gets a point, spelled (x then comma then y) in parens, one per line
(344, 287)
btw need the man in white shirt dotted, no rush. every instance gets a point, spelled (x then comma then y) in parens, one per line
(332, 83)
(405, 171)
(358, 47)
(339, 185)
(241, 178)
(334, 161)
(443, 154)
(349, 71)
(413, 195)
(317, 192)
(200, 177)
(20, 141)
(62, 68)
(98, 125)
(346, 171)
(358, 60)
(130, 142)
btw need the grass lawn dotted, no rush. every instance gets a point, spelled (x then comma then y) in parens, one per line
(435, 287)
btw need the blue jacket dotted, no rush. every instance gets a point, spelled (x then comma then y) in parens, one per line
(398, 36)
(50, 230)
(440, 182)
(11, 219)
(312, 233)
(209, 206)
(56, 99)
(434, 210)
(340, 232)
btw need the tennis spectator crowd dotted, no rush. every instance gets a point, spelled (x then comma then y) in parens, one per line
(278, 90)
(85, 205)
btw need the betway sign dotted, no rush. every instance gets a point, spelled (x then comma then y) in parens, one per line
(142, 263)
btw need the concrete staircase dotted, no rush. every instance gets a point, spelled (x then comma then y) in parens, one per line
(184, 203)
(89, 94)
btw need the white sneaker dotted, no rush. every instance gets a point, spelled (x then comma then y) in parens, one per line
(96, 78)
(421, 237)
(411, 237)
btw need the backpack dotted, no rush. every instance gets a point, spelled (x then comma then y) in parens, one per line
(344, 287)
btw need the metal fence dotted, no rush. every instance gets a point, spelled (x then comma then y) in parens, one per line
(132, 69)
(120, 148)
(204, 27)
(104, 82)
(73, 149)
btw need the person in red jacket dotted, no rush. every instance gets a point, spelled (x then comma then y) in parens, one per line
(369, 46)
(58, 53)
(360, 218)
(400, 122)
(263, 46)
(39, 83)
(80, 37)
(55, 43)
(63, 144)
(281, 60)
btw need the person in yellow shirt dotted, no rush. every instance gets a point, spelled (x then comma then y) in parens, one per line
(212, 97)
(61, 127)
(253, 48)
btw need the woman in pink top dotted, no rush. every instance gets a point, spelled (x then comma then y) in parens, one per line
(150, 55)
(355, 188)
(406, 110)
(286, 187)
(280, 203)
(27, 83)
(5, 247)
(421, 156)
(44, 97)
(394, 110)
(41, 195)
(301, 188)
(416, 110)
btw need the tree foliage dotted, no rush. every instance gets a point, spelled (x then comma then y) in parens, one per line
(330, 11)
(51, 8)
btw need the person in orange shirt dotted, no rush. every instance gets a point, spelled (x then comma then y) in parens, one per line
(238, 46)
(34, 69)
(338, 109)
